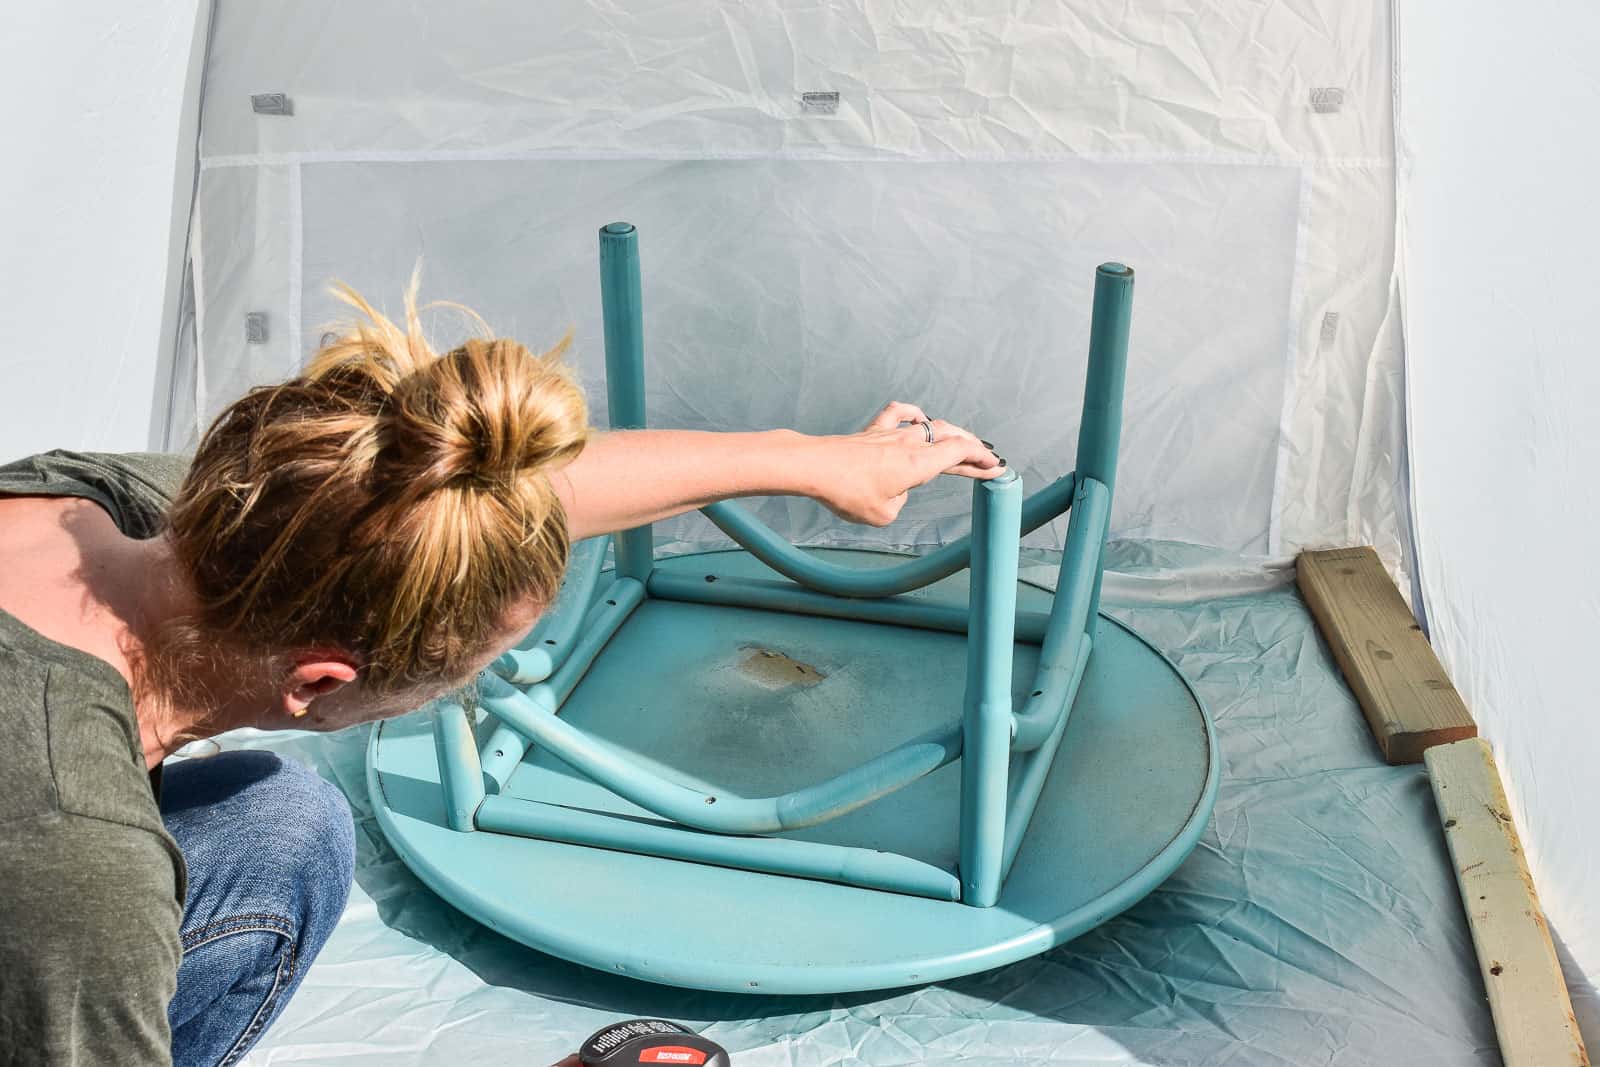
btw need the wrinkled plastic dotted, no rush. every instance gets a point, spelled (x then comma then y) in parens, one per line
(1317, 922)
(932, 239)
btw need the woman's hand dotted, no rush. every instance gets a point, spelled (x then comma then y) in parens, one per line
(865, 477)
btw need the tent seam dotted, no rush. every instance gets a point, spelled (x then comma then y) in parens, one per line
(297, 241)
(1291, 365)
(270, 159)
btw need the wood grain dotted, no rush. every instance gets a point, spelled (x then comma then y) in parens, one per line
(1403, 690)
(1527, 993)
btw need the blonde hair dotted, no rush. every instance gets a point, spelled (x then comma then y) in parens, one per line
(389, 502)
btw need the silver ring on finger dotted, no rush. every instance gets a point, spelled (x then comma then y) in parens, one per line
(927, 430)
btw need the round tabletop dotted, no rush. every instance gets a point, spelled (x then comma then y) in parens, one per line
(692, 688)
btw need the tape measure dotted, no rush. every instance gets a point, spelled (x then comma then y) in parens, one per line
(650, 1041)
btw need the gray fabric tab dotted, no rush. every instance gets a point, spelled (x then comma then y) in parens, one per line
(1326, 100)
(255, 328)
(272, 104)
(819, 103)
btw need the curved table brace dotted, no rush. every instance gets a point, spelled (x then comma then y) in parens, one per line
(539, 654)
(1056, 681)
(865, 868)
(459, 773)
(1028, 783)
(533, 714)
(765, 594)
(776, 552)
(503, 752)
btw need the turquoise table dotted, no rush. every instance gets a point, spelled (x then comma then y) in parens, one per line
(784, 771)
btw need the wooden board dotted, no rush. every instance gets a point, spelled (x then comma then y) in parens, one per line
(1404, 692)
(1527, 994)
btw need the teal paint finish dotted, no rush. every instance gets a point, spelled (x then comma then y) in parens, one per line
(1027, 781)
(814, 574)
(767, 595)
(533, 714)
(620, 599)
(986, 719)
(609, 711)
(1129, 793)
(1066, 630)
(545, 647)
(1100, 432)
(864, 868)
(460, 777)
(1101, 429)
(500, 756)
(622, 308)
(505, 748)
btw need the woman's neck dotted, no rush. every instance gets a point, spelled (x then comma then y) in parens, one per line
(68, 572)
(147, 599)
(146, 594)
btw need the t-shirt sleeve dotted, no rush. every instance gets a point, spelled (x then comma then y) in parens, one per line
(90, 947)
(135, 487)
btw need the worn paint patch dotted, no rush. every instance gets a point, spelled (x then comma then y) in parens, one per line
(771, 669)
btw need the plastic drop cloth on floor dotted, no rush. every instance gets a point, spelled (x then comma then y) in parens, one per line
(1317, 922)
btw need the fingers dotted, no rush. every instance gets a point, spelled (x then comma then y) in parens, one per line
(975, 458)
(894, 413)
(965, 455)
(897, 412)
(981, 474)
(943, 431)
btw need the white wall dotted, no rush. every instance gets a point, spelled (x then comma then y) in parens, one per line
(98, 162)
(1500, 234)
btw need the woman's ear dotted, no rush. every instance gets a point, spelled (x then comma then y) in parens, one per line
(315, 677)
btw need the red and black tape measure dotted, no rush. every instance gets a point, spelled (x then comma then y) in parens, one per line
(650, 1041)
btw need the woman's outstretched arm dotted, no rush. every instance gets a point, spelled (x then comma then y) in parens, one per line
(632, 477)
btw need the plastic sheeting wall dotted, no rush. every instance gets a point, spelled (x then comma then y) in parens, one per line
(1499, 239)
(94, 197)
(932, 240)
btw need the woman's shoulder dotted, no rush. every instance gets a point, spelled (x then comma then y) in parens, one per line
(134, 487)
(71, 763)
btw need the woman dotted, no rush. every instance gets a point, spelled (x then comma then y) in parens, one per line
(342, 547)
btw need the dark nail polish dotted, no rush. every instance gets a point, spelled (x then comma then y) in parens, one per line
(986, 444)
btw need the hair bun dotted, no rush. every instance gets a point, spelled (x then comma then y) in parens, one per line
(482, 415)
(383, 502)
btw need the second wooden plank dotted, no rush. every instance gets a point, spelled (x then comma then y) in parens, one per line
(1527, 993)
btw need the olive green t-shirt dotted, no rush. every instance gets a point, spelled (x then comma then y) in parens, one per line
(92, 891)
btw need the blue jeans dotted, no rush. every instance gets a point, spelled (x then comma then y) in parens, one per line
(270, 849)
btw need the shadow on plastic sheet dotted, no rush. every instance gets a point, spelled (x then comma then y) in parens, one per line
(1585, 997)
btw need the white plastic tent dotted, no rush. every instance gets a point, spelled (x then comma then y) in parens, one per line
(1360, 232)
